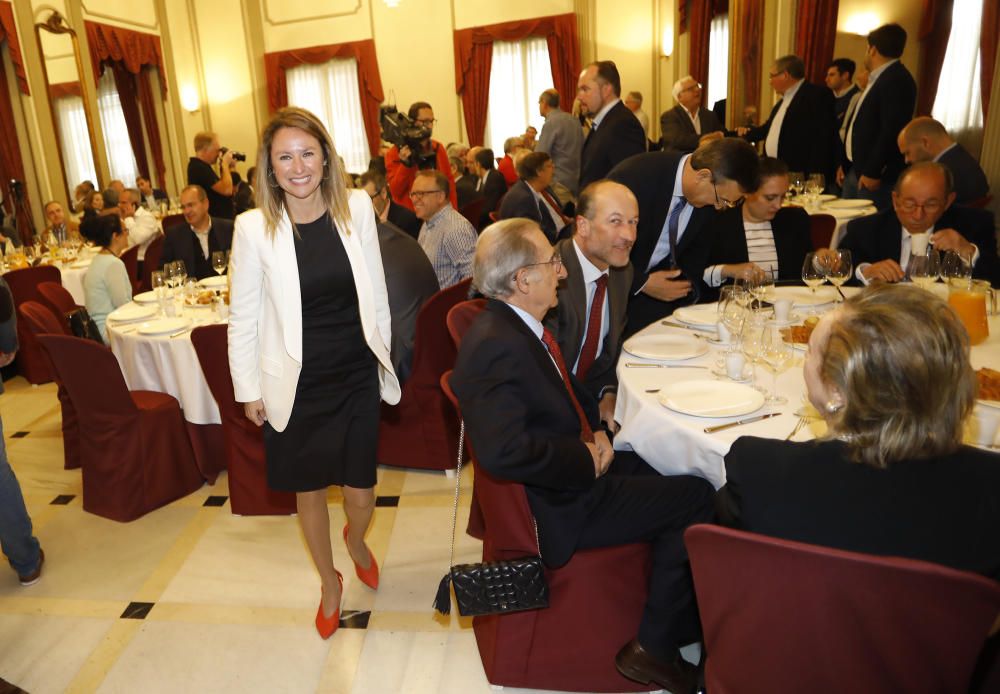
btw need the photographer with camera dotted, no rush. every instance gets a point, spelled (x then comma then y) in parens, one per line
(201, 172)
(412, 150)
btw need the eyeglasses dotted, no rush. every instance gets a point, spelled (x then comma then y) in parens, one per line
(930, 207)
(425, 121)
(722, 203)
(696, 85)
(419, 194)
(555, 262)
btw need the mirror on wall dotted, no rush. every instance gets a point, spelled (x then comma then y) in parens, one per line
(69, 101)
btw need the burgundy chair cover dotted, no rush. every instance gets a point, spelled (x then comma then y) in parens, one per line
(821, 227)
(151, 263)
(172, 219)
(473, 211)
(595, 602)
(31, 361)
(782, 615)
(249, 494)
(130, 258)
(422, 430)
(42, 321)
(59, 301)
(461, 316)
(134, 448)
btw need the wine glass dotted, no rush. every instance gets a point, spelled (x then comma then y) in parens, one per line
(796, 182)
(751, 342)
(923, 269)
(777, 354)
(732, 311)
(840, 267)
(956, 268)
(170, 276)
(220, 261)
(813, 274)
(180, 270)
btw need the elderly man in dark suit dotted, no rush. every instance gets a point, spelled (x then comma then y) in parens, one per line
(802, 129)
(590, 319)
(532, 422)
(924, 139)
(202, 235)
(881, 244)
(615, 134)
(532, 197)
(677, 194)
(682, 126)
(872, 162)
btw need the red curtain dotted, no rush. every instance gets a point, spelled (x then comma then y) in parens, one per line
(369, 81)
(988, 49)
(8, 31)
(935, 28)
(699, 26)
(128, 94)
(131, 48)
(474, 54)
(815, 34)
(152, 127)
(64, 89)
(11, 165)
(750, 40)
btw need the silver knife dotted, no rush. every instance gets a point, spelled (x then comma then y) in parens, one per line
(748, 420)
(699, 332)
(641, 365)
(181, 332)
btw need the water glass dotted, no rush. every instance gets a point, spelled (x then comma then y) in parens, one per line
(777, 354)
(220, 261)
(839, 270)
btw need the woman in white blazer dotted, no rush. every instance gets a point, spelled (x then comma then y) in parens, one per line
(309, 336)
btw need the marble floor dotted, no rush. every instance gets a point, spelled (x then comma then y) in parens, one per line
(191, 598)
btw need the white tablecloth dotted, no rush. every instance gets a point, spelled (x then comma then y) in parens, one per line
(843, 217)
(72, 280)
(167, 365)
(675, 443)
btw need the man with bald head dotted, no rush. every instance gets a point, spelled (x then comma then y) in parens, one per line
(925, 139)
(590, 319)
(922, 213)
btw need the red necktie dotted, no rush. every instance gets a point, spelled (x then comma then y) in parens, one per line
(588, 353)
(586, 433)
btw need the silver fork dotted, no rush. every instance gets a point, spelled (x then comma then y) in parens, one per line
(798, 426)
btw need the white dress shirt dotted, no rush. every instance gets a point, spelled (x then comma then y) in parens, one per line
(142, 229)
(590, 276)
(662, 248)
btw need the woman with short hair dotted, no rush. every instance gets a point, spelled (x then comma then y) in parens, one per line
(106, 285)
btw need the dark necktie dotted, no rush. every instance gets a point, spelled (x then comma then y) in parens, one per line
(548, 226)
(586, 433)
(588, 353)
(672, 225)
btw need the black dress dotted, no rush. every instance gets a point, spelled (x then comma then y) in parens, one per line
(332, 432)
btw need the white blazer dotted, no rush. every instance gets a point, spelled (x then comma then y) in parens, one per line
(265, 311)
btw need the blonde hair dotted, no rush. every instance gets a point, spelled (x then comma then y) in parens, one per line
(203, 140)
(333, 189)
(900, 357)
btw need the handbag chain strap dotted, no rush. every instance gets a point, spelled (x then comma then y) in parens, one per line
(458, 485)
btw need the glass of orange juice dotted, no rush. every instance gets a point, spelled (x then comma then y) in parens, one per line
(969, 301)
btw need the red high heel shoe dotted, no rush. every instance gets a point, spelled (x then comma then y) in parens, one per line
(368, 576)
(327, 625)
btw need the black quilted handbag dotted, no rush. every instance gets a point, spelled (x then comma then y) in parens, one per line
(495, 587)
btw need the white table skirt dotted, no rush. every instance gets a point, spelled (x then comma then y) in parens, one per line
(72, 281)
(843, 217)
(167, 365)
(675, 443)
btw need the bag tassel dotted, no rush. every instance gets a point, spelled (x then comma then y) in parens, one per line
(442, 601)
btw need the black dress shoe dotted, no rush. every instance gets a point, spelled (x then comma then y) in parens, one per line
(636, 663)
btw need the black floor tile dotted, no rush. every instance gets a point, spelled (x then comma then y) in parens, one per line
(137, 610)
(386, 501)
(215, 501)
(351, 619)
(62, 500)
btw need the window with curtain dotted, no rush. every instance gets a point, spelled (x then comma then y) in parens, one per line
(718, 59)
(958, 104)
(75, 140)
(121, 159)
(520, 71)
(330, 90)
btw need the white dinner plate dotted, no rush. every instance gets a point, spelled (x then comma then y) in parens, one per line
(989, 403)
(665, 346)
(217, 281)
(803, 296)
(164, 326)
(145, 298)
(711, 398)
(80, 264)
(701, 315)
(129, 313)
(847, 204)
(852, 213)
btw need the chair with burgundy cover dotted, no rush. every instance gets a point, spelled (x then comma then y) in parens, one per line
(821, 228)
(134, 447)
(59, 301)
(783, 615)
(40, 320)
(151, 263)
(31, 360)
(422, 430)
(130, 258)
(249, 494)
(595, 602)
(473, 210)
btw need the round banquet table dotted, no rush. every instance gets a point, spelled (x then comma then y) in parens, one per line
(676, 444)
(169, 364)
(843, 216)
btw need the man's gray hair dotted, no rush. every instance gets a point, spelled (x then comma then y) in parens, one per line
(550, 97)
(503, 248)
(678, 86)
(635, 96)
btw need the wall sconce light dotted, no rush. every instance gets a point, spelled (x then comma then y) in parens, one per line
(391, 3)
(189, 99)
(861, 23)
(667, 41)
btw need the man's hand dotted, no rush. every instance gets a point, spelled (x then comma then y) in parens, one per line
(6, 358)
(742, 130)
(951, 240)
(866, 183)
(606, 407)
(840, 175)
(255, 412)
(404, 154)
(605, 453)
(227, 161)
(748, 270)
(884, 270)
(662, 285)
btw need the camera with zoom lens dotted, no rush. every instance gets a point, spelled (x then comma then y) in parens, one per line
(237, 156)
(402, 131)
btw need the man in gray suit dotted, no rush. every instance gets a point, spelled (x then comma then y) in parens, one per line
(562, 139)
(683, 125)
(589, 321)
